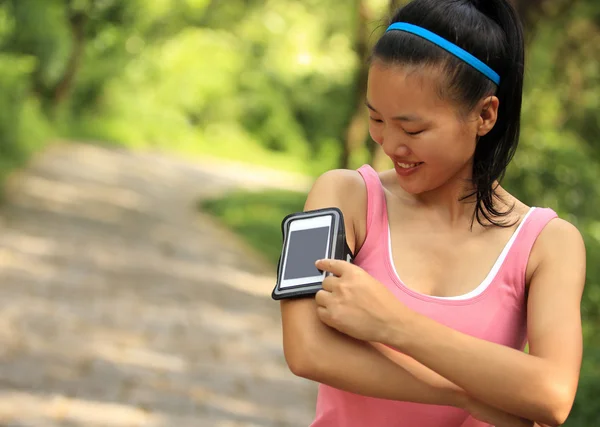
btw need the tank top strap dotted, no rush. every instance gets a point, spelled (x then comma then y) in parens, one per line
(377, 220)
(515, 265)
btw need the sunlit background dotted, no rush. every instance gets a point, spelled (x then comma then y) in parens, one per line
(150, 149)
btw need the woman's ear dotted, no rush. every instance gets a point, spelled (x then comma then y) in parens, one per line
(488, 114)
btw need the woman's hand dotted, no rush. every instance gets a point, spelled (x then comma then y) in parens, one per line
(356, 304)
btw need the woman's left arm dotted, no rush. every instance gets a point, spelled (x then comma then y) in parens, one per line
(538, 386)
(541, 385)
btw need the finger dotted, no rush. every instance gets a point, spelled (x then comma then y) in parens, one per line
(334, 266)
(329, 283)
(323, 314)
(322, 298)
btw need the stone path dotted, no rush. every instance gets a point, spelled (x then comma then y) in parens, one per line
(121, 305)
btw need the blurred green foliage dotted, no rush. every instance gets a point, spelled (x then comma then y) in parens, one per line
(273, 82)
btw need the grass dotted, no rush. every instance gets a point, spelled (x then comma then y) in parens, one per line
(257, 216)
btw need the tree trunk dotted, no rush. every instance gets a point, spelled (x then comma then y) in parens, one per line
(356, 131)
(64, 86)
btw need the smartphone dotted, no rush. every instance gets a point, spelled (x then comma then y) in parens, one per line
(309, 240)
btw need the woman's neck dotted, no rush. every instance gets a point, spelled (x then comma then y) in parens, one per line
(452, 204)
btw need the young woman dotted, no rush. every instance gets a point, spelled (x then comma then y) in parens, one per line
(452, 273)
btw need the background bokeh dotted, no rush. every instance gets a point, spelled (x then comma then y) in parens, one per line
(245, 88)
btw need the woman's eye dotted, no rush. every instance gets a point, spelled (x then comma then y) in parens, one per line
(413, 133)
(376, 120)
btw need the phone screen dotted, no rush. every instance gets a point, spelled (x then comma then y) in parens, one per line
(305, 247)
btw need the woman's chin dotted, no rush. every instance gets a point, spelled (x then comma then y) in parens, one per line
(412, 188)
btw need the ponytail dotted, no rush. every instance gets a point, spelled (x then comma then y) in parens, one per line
(495, 150)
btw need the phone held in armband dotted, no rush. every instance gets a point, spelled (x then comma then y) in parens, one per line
(308, 237)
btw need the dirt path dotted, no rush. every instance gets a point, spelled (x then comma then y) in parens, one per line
(122, 306)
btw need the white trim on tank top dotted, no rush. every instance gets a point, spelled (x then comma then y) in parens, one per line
(491, 275)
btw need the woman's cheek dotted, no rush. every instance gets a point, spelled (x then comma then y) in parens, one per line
(376, 135)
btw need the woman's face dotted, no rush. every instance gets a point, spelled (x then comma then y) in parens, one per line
(426, 137)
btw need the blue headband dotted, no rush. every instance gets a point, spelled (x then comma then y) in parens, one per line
(450, 47)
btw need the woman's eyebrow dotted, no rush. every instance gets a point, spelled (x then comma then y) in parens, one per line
(402, 118)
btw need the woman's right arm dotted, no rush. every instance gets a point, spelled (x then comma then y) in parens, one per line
(319, 353)
(322, 354)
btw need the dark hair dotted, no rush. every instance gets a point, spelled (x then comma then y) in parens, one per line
(492, 32)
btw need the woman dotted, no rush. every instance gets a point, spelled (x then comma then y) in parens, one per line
(452, 273)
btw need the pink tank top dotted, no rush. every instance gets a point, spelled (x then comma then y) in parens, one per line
(494, 311)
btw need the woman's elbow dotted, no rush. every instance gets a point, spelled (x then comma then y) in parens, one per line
(556, 416)
(299, 365)
(558, 402)
(301, 358)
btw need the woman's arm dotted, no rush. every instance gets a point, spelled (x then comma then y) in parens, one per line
(541, 385)
(479, 410)
(317, 352)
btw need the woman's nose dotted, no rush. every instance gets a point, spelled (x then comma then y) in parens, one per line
(396, 149)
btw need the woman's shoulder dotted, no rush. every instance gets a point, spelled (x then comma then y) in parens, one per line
(556, 236)
(344, 189)
(340, 179)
